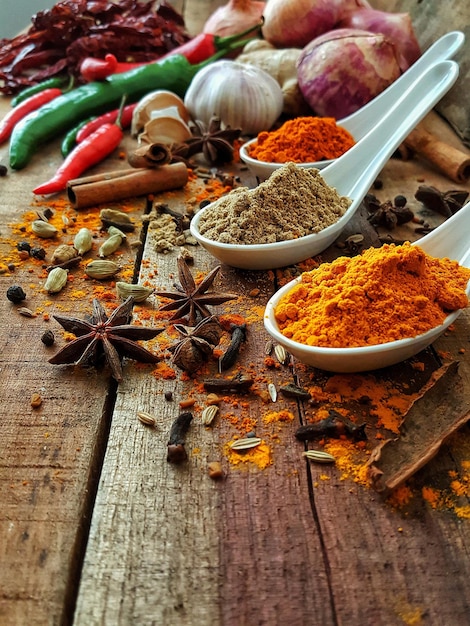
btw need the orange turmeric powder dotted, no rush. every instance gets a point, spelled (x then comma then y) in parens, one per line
(301, 140)
(383, 294)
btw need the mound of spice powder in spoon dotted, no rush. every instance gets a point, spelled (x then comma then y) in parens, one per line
(384, 294)
(292, 203)
(302, 140)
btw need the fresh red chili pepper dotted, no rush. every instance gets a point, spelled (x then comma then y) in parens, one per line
(196, 50)
(106, 118)
(91, 151)
(98, 69)
(27, 106)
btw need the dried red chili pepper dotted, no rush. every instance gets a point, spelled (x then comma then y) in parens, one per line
(107, 118)
(91, 151)
(27, 106)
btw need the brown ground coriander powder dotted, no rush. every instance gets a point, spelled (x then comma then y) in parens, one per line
(292, 203)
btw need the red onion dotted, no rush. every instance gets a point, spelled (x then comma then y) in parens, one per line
(234, 17)
(396, 26)
(294, 23)
(342, 70)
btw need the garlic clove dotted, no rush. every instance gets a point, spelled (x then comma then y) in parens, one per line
(156, 101)
(166, 130)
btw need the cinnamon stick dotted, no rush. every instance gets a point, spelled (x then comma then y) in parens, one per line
(150, 155)
(442, 409)
(454, 163)
(94, 190)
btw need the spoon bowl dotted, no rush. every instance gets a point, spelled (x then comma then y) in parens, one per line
(364, 119)
(351, 174)
(448, 240)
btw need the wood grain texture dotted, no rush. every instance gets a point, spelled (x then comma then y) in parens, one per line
(293, 543)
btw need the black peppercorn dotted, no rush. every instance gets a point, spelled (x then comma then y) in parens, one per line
(48, 338)
(15, 294)
(23, 245)
(3, 170)
(399, 201)
(168, 395)
(38, 253)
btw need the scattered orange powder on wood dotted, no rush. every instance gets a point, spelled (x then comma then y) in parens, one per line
(278, 416)
(261, 456)
(163, 371)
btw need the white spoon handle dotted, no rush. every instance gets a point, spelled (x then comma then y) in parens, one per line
(451, 239)
(365, 118)
(354, 172)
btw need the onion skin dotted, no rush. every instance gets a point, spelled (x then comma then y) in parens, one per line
(340, 71)
(397, 27)
(234, 17)
(294, 23)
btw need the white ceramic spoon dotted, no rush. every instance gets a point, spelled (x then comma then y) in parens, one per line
(451, 240)
(352, 174)
(365, 118)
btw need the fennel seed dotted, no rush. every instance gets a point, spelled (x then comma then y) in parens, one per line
(281, 354)
(146, 418)
(209, 413)
(319, 456)
(245, 444)
(272, 392)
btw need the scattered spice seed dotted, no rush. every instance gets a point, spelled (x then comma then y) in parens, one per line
(208, 414)
(215, 471)
(185, 404)
(16, 294)
(281, 354)
(23, 246)
(245, 444)
(272, 391)
(38, 253)
(169, 396)
(146, 418)
(36, 400)
(23, 310)
(48, 338)
(319, 456)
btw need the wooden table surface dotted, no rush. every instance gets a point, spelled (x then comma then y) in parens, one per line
(97, 528)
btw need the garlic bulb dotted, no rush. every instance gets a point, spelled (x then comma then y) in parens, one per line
(242, 96)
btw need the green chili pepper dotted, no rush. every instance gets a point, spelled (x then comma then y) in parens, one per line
(68, 142)
(56, 81)
(173, 73)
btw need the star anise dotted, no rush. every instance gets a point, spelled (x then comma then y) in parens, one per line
(386, 214)
(111, 336)
(191, 299)
(197, 344)
(214, 141)
(444, 202)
